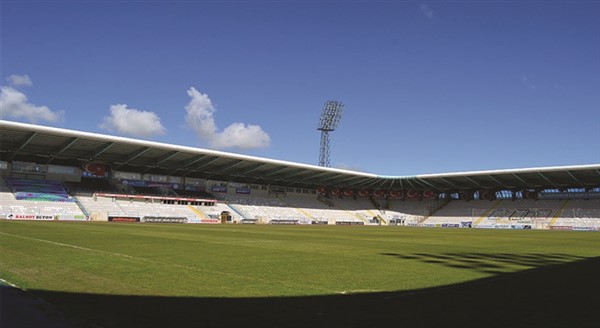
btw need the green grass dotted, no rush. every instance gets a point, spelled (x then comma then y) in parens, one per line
(144, 275)
(267, 261)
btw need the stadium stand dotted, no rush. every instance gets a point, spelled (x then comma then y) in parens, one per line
(42, 190)
(409, 211)
(578, 215)
(458, 213)
(192, 193)
(320, 209)
(56, 174)
(362, 208)
(520, 213)
(529, 214)
(101, 207)
(290, 208)
(105, 206)
(38, 199)
(89, 186)
(265, 209)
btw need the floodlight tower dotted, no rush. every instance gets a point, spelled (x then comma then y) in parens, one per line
(330, 117)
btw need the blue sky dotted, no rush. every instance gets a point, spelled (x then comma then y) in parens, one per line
(428, 86)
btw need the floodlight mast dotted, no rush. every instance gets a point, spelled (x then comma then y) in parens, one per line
(330, 117)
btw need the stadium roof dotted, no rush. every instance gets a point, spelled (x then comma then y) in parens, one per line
(48, 145)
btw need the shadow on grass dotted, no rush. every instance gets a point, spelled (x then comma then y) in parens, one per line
(561, 291)
(489, 263)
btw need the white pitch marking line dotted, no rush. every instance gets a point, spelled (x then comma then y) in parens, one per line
(157, 262)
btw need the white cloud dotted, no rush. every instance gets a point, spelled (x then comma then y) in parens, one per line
(426, 11)
(200, 112)
(19, 80)
(200, 116)
(240, 135)
(14, 103)
(132, 122)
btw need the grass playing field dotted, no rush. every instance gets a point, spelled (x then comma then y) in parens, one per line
(123, 275)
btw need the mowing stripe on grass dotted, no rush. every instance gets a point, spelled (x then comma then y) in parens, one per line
(233, 275)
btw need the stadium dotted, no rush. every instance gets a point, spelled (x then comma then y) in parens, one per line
(117, 232)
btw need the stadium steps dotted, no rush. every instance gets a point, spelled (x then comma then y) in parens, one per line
(435, 208)
(350, 213)
(198, 212)
(238, 212)
(378, 205)
(325, 201)
(233, 210)
(81, 206)
(122, 209)
(558, 213)
(381, 219)
(301, 211)
(484, 215)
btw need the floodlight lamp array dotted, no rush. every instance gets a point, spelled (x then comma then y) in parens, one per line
(331, 115)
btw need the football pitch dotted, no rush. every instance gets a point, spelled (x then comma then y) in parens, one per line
(151, 275)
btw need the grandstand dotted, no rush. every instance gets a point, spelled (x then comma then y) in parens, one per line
(57, 174)
(575, 214)
(37, 199)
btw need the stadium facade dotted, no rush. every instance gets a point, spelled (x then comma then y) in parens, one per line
(93, 176)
